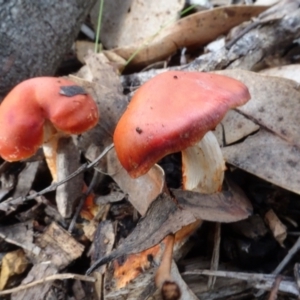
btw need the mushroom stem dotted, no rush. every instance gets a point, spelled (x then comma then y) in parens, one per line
(51, 137)
(196, 103)
(62, 158)
(163, 279)
(203, 170)
(40, 111)
(203, 166)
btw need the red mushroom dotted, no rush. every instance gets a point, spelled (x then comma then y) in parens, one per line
(174, 112)
(38, 111)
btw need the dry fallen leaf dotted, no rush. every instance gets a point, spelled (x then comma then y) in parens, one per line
(273, 152)
(112, 197)
(164, 216)
(20, 234)
(193, 31)
(141, 191)
(57, 250)
(26, 178)
(269, 157)
(278, 229)
(233, 128)
(101, 80)
(84, 47)
(127, 22)
(13, 263)
(248, 48)
(59, 246)
(37, 272)
(290, 72)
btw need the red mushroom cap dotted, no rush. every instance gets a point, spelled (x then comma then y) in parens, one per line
(171, 112)
(31, 103)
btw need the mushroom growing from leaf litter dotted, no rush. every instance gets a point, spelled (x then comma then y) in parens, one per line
(40, 110)
(171, 112)
(176, 111)
(47, 111)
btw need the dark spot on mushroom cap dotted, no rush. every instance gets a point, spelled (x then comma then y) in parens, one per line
(72, 90)
(138, 130)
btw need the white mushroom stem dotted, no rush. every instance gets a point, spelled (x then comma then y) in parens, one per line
(203, 166)
(50, 152)
(51, 137)
(203, 171)
(63, 158)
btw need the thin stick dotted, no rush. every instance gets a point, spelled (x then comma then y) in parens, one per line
(82, 200)
(283, 263)
(47, 279)
(260, 281)
(216, 255)
(288, 257)
(274, 291)
(163, 271)
(55, 185)
(163, 279)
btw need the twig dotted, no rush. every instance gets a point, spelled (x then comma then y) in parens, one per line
(82, 200)
(47, 279)
(288, 257)
(215, 256)
(284, 262)
(16, 201)
(275, 288)
(163, 279)
(259, 281)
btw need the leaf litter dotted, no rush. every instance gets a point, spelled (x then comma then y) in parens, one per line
(260, 138)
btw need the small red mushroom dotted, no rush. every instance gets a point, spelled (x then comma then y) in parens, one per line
(38, 111)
